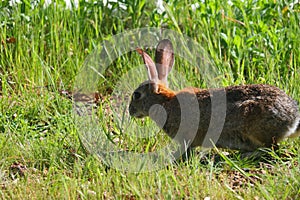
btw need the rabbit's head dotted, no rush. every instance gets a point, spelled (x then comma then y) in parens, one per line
(155, 90)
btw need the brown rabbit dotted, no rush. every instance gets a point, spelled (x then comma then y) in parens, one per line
(243, 117)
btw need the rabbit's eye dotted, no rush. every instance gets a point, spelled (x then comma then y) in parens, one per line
(136, 96)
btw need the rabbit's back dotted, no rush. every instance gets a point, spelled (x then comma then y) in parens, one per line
(256, 116)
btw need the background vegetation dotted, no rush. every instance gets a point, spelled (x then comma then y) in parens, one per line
(43, 47)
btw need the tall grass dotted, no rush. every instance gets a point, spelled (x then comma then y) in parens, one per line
(42, 49)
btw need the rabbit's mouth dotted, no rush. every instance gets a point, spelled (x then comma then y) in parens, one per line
(137, 115)
(134, 112)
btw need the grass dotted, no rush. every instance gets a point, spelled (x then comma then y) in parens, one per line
(41, 52)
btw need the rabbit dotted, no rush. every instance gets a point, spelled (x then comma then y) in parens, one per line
(256, 115)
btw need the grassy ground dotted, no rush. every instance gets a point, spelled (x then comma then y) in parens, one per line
(42, 50)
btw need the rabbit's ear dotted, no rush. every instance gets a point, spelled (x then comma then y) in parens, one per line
(164, 59)
(150, 65)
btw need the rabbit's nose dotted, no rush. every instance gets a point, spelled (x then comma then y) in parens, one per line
(132, 110)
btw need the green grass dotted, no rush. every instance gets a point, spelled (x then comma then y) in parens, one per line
(41, 52)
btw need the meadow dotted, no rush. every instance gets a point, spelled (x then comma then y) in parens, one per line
(42, 51)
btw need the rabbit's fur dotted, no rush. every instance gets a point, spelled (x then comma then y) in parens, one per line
(256, 115)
